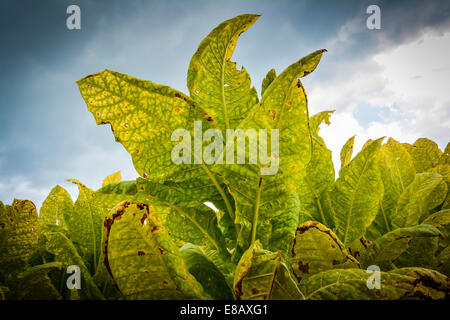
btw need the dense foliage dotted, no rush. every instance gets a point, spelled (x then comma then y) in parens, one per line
(298, 234)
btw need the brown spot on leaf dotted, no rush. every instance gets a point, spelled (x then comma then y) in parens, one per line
(141, 253)
(156, 229)
(177, 110)
(273, 114)
(255, 291)
(143, 218)
(161, 251)
(303, 267)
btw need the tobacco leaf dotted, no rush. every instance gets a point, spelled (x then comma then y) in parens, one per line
(143, 260)
(315, 249)
(263, 275)
(356, 194)
(351, 284)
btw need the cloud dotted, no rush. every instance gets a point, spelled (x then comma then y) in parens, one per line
(387, 80)
(20, 187)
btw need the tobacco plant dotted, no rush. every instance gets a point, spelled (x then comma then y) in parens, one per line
(297, 234)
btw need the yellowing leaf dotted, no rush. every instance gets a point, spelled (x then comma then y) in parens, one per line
(142, 258)
(442, 191)
(56, 209)
(356, 194)
(411, 204)
(347, 151)
(385, 250)
(315, 249)
(114, 177)
(351, 284)
(271, 75)
(143, 115)
(213, 80)
(425, 154)
(397, 172)
(86, 226)
(319, 177)
(19, 236)
(262, 275)
(264, 201)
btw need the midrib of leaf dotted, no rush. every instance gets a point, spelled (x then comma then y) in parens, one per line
(286, 292)
(316, 199)
(256, 209)
(353, 200)
(325, 287)
(400, 176)
(274, 276)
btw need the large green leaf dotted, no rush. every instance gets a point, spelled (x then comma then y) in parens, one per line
(56, 209)
(319, 177)
(86, 226)
(262, 275)
(397, 172)
(342, 284)
(356, 194)
(144, 116)
(425, 154)
(412, 205)
(19, 236)
(264, 200)
(347, 151)
(65, 252)
(142, 258)
(214, 81)
(384, 251)
(315, 249)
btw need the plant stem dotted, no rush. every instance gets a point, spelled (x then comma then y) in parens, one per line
(256, 211)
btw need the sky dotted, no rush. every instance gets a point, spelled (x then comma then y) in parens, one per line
(391, 82)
